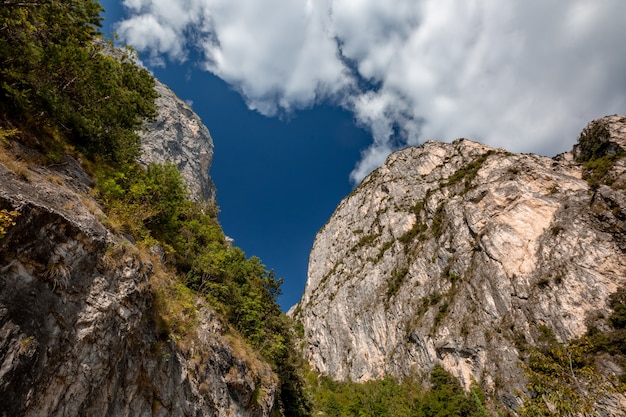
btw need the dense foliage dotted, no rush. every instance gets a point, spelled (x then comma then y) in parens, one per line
(596, 155)
(387, 397)
(62, 87)
(57, 76)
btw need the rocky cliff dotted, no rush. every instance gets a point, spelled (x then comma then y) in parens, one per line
(460, 254)
(81, 307)
(177, 135)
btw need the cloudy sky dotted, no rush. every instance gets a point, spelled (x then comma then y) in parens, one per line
(525, 76)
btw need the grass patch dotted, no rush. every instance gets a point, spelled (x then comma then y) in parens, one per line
(366, 240)
(438, 221)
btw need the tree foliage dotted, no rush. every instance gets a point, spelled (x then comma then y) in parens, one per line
(597, 154)
(388, 397)
(56, 73)
(152, 205)
(7, 219)
(61, 83)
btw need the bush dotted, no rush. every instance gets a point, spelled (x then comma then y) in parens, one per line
(595, 154)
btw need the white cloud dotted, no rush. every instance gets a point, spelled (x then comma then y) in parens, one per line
(525, 76)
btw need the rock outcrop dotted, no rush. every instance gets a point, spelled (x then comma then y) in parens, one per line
(458, 254)
(177, 135)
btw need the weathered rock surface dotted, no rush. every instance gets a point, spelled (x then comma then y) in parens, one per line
(78, 332)
(177, 135)
(77, 329)
(456, 253)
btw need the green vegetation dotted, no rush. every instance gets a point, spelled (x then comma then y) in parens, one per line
(564, 379)
(416, 232)
(388, 397)
(394, 284)
(365, 240)
(419, 229)
(594, 154)
(57, 78)
(592, 142)
(468, 172)
(438, 218)
(151, 204)
(597, 170)
(386, 246)
(64, 90)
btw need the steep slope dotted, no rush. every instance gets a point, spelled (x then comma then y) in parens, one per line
(81, 308)
(461, 255)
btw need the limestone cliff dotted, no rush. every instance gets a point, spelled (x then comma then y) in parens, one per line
(79, 317)
(177, 135)
(458, 254)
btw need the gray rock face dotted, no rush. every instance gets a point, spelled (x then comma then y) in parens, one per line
(78, 332)
(177, 135)
(453, 254)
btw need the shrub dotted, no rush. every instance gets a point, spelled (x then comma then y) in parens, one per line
(438, 221)
(7, 219)
(592, 142)
(394, 284)
(595, 154)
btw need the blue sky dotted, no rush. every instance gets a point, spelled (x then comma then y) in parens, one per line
(303, 98)
(278, 179)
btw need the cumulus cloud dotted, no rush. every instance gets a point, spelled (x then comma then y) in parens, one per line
(525, 76)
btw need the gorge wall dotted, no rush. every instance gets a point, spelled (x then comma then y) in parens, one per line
(79, 326)
(460, 254)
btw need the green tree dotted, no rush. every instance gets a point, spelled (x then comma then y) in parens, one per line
(446, 398)
(56, 73)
